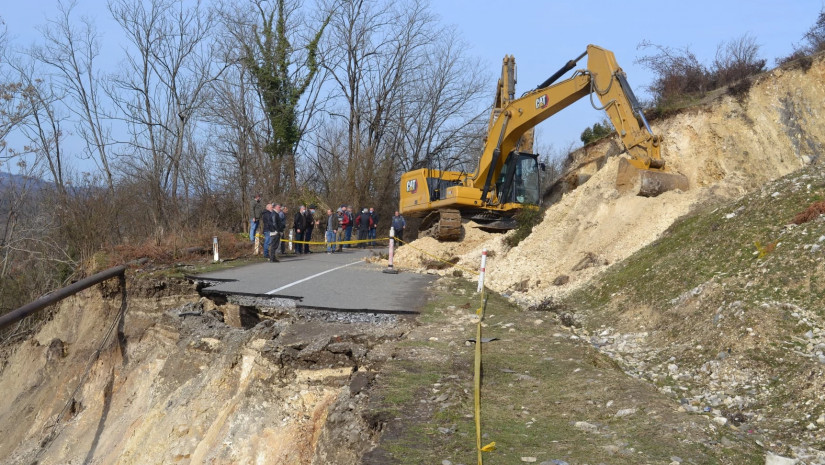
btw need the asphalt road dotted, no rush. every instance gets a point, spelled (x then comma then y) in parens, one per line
(339, 281)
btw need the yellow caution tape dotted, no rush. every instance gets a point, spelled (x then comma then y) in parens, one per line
(489, 447)
(354, 241)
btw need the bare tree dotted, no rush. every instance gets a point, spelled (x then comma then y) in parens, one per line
(71, 52)
(13, 96)
(43, 127)
(407, 97)
(379, 44)
(241, 132)
(169, 65)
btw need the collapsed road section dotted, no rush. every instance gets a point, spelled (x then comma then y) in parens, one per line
(342, 282)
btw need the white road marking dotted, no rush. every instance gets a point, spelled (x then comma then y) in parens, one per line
(311, 277)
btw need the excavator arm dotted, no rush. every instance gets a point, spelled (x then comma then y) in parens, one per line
(602, 79)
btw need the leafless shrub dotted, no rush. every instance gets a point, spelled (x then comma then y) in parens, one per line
(811, 213)
(815, 37)
(736, 60)
(681, 77)
(678, 73)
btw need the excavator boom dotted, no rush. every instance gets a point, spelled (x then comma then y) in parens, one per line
(604, 79)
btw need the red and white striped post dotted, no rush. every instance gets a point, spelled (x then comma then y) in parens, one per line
(483, 267)
(390, 269)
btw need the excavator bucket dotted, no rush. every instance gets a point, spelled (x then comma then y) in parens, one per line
(647, 183)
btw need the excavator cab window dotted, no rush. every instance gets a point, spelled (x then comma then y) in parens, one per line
(519, 179)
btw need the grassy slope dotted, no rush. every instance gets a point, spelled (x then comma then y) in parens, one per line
(736, 278)
(546, 395)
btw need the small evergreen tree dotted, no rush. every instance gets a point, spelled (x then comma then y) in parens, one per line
(596, 132)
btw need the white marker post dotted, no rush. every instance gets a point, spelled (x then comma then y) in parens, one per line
(215, 248)
(290, 240)
(390, 269)
(483, 267)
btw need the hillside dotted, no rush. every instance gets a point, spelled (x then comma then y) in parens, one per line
(726, 311)
(726, 148)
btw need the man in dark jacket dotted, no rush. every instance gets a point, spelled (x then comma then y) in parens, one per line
(363, 223)
(398, 225)
(300, 225)
(310, 225)
(278, 226)
(281, 210)
(270, 225)
(255, 221)
(374, 216)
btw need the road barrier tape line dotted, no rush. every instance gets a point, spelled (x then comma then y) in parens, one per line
(312, 277)
(353, 241)
(437, 258)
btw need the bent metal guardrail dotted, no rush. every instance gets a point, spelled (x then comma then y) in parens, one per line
(60, 294)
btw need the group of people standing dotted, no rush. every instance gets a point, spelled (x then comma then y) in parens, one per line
(271, 219)
(342, 222)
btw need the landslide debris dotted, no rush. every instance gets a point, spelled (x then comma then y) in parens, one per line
(726, 314)
(725, 149)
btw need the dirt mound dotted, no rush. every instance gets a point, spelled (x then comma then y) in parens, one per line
(589, 228)
(420, 254)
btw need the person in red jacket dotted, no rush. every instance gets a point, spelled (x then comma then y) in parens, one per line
(346, 224)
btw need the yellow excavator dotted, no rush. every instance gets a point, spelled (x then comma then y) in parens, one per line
(507, 178)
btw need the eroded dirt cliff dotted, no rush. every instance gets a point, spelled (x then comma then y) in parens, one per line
(179, 385)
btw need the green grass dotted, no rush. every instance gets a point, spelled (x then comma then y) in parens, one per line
(536, 386)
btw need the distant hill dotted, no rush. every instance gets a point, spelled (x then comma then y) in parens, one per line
(15, 180)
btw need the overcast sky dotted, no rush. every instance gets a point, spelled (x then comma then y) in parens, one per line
(544, 34)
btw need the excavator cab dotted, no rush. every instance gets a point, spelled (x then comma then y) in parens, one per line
(519, 181)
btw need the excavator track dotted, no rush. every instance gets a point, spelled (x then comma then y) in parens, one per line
(443, 224)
